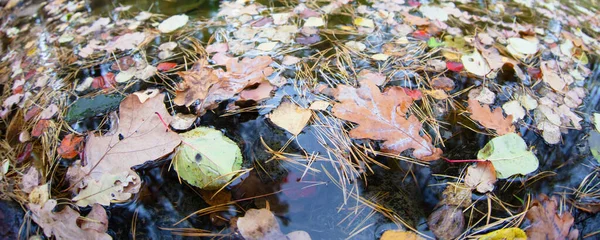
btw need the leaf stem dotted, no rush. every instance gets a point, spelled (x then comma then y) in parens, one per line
(463, 160)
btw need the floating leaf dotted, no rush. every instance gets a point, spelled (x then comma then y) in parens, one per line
(482, 177)
(63, 224)
(396, 234)
(509, 155)
(491, 119)
(382, 116)
(475, 64)
(290, 117)
(70, 146)
(364, 22)
(547, 222)
(207, 159)
(173, 23)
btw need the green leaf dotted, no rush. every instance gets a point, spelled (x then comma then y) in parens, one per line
(509, 155)
(594, 141)
(206, 158)
(433, 43)
(507, 233)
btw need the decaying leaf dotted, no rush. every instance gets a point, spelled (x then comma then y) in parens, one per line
(446, 222)
(63, 224)
(547, 222)
(509, 156)
(457, 195)
(491, 119)
(196, 84)
(114, 155)
(482, 177)
(383, 116)
(290, 117)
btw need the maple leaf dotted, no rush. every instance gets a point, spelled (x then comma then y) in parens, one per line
(547, 223)
(382, 116)
(139, 137)
(63, 224)
(491, 119)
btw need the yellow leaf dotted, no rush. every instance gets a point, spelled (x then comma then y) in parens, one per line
(364, 22)
(507, 233)
(290, 117)
(393, 235)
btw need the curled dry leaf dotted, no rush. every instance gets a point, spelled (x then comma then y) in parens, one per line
(547, 222)
(183, 121)
(491, 119)
(63, 224)
(383, 116)
(481, 176)
(442, 83)
(456, 195)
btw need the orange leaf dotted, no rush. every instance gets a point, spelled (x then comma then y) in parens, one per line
(383, 116)
(70, 146)
(547, 223)
(40, 127)
(491, 119)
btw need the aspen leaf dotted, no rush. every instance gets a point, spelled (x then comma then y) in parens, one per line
(475, 64)
(509, 155)
(173, 23)
(507, 233)
(290, 117)
(396, 234)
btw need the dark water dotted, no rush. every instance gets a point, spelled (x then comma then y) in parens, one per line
(315, 204)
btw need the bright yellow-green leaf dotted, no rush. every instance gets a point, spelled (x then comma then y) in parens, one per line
(364, 22)
(505, 234)
(206, 158)
(510, 155)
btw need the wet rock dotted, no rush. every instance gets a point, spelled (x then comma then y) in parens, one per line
(11, 218)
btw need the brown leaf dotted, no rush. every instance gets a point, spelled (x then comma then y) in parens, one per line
(491, 119)
(547, 223)
(196, 84)
(447, 222)
(442, 83)
(70, 146)
(40, 127)
(140, 136)
(257, 93)
(481, 176)
(382, 116)
(63, 224)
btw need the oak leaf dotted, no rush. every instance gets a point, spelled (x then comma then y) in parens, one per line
(70, 146)
(547, 223)
(63, 224)
(491, 119)
(383, 116)
(196, 84)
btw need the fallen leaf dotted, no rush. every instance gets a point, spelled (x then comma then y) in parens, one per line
(475, 64)
(110, 157)
(70, 146)
(314, 22)
(454, 66)
(490, 119)
(260, 92)
(414, 20)
(124, 76)
(126, 42)
(183, 121)
(397, 234)
(118, 186)
(49, 112)
(442, 83)
(196, 84)
(63, 224)
(506, 233)
(509, 155)
(457, 195)
(594, 142)
(364, 22)
(521, 47)
(30, 180)
(215, 197)
(434, 13)
(356, 46)
(40, 127)
(290, 117)
(208, 159)
(260, 224)
(374, 77)
(382, 116)
(514, 109)
(547, 222)
(290, 60)
(380, 57)
(597, 121)
(481, 176)
(165, 66)
(446, 222)
(173, 23)
(551, 77)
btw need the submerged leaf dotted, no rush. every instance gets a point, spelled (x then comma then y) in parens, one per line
(547, 222)
(509, 155)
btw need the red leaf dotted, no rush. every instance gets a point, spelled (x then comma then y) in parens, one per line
(415, 94)
(40, 127)
(166, 66)
(421, 35)
(535, 73)
(25, 154)
(104, 82)
(455, 66)
(32, 112)
(70, 146)
(414, 3)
